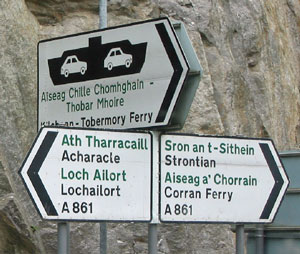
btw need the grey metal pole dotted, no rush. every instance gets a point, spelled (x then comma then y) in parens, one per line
(260, 239)
(63, 238)
(240, 239)
(103, 24)
(103, 14)
(103, 238)
(152, 238)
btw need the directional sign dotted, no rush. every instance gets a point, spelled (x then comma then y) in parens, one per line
(214, 179)
(76, 174)
(122, 77)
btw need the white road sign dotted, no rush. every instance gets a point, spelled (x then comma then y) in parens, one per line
(121, 77)
(77, 174)
(218, 179)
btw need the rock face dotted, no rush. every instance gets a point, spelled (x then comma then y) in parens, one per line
(249, 51)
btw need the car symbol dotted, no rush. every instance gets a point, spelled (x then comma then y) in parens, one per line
(73, 65)
(116, 57)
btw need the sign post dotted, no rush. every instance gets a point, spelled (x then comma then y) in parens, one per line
(63, 238)
(217, 179)
(90, 175)
(103, 24)
(240, 239)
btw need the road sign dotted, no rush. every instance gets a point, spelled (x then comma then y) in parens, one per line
(217, 179)
(77, 174)
(122, 77)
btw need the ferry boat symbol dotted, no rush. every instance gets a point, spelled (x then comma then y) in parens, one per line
(97, 61)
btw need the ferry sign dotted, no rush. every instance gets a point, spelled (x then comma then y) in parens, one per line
(123, 77)
(217, 179)
(80, 174)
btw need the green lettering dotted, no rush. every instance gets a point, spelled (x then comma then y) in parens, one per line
(168, 178)
(222, 148)
(168, 145)
(97, 175)
(65, 140)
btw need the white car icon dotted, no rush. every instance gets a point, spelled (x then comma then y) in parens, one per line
(73, 65)
(116, 57)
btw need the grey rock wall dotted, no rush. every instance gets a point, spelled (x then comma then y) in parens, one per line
(249, 51)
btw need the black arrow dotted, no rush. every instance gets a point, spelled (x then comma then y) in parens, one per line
(277, 177)
(178, 69)
(33, 171)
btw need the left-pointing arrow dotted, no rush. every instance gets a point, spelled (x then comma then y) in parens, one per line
(33, 171)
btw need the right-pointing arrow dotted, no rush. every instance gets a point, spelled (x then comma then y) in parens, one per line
(277, 177)
(177, 67)
(34, 170)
